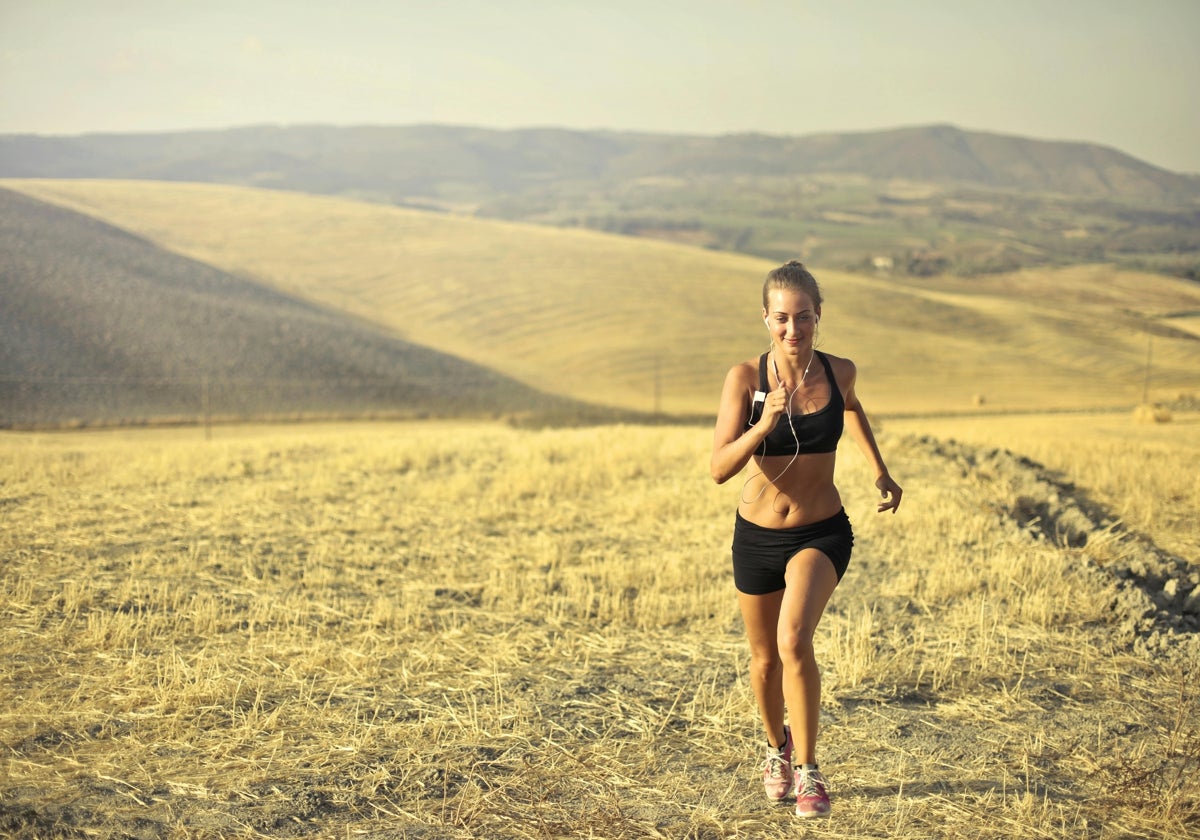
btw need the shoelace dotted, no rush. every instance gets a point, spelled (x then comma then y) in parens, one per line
(774, 764)
(808, 781)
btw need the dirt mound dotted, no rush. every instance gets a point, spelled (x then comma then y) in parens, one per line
(1156, 607)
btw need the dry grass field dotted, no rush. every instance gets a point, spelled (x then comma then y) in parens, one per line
(473, 631)
(652, 326)
(470, 630)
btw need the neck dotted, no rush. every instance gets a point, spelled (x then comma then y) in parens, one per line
(791, 365)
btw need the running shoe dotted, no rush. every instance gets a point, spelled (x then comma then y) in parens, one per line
(777, 768)
(812, 797)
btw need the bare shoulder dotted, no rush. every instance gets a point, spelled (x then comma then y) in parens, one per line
(743, 374)
(740, 383)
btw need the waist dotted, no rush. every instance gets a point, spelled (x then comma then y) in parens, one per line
(817, 525)
(807, 497)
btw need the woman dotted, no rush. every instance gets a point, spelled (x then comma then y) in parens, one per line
(785, 411)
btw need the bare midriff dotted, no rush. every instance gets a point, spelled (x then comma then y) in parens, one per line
(803, 494)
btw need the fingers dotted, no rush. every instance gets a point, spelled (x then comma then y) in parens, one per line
(776, 402)
(891, 493)
(781, 396)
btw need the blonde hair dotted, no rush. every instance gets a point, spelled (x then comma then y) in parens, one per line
(792, 276)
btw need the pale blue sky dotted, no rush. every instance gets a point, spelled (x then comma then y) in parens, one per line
(1124, 74)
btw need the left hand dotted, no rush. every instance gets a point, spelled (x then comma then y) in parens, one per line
(891, 493)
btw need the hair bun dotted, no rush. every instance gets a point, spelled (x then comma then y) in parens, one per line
(792, 275)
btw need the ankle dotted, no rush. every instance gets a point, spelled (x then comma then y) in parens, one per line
(778, 744)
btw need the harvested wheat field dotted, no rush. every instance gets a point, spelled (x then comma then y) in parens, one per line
(474, 631)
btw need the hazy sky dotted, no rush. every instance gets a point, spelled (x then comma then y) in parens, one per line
(1125, 74)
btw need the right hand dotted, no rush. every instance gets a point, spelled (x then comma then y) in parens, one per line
(774, 407)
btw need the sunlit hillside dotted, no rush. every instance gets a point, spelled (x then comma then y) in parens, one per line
(650, 325)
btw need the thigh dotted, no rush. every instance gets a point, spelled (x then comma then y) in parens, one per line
(811, 579)
(760, 614)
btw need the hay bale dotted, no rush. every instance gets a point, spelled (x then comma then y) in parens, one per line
(978, 400)
(1151, 413)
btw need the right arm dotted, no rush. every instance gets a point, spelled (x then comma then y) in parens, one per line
(733, 443)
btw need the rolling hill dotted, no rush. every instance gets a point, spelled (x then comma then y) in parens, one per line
(921, 200)
(100, 326)
(652, 326)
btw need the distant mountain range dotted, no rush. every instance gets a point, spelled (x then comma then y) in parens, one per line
(923, 200)
(395, 163)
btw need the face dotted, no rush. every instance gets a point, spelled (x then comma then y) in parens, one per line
(792, 320)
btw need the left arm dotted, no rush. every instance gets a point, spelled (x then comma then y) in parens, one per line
(860, 430)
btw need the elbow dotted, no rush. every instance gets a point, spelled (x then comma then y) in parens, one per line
(719, 476)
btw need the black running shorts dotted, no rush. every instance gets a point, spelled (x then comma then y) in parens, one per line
(761, 555)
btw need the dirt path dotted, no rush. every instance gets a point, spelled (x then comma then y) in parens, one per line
(1157, 608)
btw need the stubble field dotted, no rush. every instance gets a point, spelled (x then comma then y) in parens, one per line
(441, 630)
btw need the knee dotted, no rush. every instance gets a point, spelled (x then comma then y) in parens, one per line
(796, 649)
(765, 665)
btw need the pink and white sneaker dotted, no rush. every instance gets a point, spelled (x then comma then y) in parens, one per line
(812, 795)
(777, 769)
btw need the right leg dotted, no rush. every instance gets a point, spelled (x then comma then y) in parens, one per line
(760, 614)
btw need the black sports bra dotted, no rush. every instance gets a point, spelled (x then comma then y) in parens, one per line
(819, 431)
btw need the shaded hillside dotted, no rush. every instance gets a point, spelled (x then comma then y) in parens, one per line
(100, 326)
(595, 317)
(911, 201)
(654, 326)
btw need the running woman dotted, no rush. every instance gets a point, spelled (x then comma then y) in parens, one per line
(784, 412)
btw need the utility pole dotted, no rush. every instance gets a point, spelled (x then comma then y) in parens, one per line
(204, 396)
(1149, 355)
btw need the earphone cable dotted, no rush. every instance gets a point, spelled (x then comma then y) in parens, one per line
(795, 437)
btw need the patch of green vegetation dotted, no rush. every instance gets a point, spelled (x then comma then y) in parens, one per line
(852, 222)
